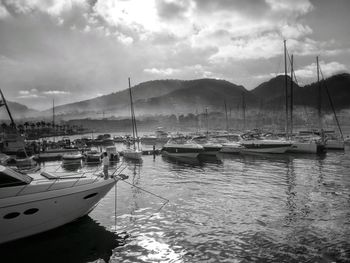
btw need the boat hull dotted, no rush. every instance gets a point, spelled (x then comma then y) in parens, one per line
(190, 155)
(304, 147)
(134, 155)
(265, 147)
(44, 211)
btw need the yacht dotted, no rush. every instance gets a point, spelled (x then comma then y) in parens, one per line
(231, 143)
(181, 147)
(210, 147)
(31, 203)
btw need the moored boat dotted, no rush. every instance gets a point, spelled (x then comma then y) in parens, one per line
(36, 202)
(265, 146)
(181, 147)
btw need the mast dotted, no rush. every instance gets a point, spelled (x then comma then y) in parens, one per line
(291, 95)
(207, 120)
(286, 84)
(244, 107)
(226, 115)
(7, 108)
(132, 115)
(319, 100)
(53, 118)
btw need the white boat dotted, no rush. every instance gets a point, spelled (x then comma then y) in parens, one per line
(55, 153)
(333, 142)
(180, 147)
(209, 147)
(306, 144)
(132, 154)
(265, 146)
(72, 157)
(93, 157)
(112, 153)
(231, 143)
(36, 202)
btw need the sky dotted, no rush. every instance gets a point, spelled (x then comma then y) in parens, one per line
(72, 50)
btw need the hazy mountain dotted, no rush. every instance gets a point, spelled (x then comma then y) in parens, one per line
(18, 111)
(198, 94)
(121, 99)
(161, 96)
(272, 92)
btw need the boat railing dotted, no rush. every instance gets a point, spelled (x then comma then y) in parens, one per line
(97, 173)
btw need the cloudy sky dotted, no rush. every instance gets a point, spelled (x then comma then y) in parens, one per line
(72, 50)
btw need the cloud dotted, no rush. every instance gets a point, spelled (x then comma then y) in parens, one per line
(328, 69)
(162, 72)
(56, 92)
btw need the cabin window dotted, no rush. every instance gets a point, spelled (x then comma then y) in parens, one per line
(90, 195)
(31, 211)
(8, 181)
(11, 215)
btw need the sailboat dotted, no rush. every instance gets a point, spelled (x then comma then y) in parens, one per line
(299, 144)
(134, 151)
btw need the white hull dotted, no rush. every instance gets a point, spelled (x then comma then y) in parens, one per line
(265, 150)
(335, 145)
(54, 208)
(231, 148)
(131, 154)
(189, 155)
(303, 147)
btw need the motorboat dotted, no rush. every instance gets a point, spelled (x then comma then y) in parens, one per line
(55, 153)
(210, 147)
(182, 147)
(230, 143)
(133, 154)
(31, 203)
(307, 144)
(71, 157)
(333, 142)
(93, 156)
(265, 146)
(112, 153)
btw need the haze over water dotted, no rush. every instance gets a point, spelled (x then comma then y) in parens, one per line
(284, 208)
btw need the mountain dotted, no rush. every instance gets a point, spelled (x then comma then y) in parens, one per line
(18, 111)
(198, 94)
(121, 99)
(272, 92)
(161, 96)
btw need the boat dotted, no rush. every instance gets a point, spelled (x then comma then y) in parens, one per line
(54, 153)
(210, 147)
(112, 153)
(134, 152)
(231, 143)
(265, 146)
(181, 147)
(72, 157)
(333, 142)
(31, 203)
(93, 156)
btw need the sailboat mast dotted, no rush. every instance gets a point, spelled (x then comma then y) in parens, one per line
(132, 115)
(7, 108)
(291, 94)
(207, 120)
(286, 84)
(319, 100)
(53, 117)
(226, 115)
(243, 106)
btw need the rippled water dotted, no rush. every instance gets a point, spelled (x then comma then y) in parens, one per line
(286, 208)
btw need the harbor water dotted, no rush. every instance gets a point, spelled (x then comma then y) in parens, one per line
(272, 208)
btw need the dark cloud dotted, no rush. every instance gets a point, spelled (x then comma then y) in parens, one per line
(248, 7)
(172, 10)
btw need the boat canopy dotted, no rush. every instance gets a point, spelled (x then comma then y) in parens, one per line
(10, 177)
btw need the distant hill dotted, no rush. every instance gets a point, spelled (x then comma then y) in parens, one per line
(162, 96)
(272, 92)
(18, 111)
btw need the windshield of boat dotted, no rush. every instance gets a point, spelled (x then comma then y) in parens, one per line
(13, 179)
